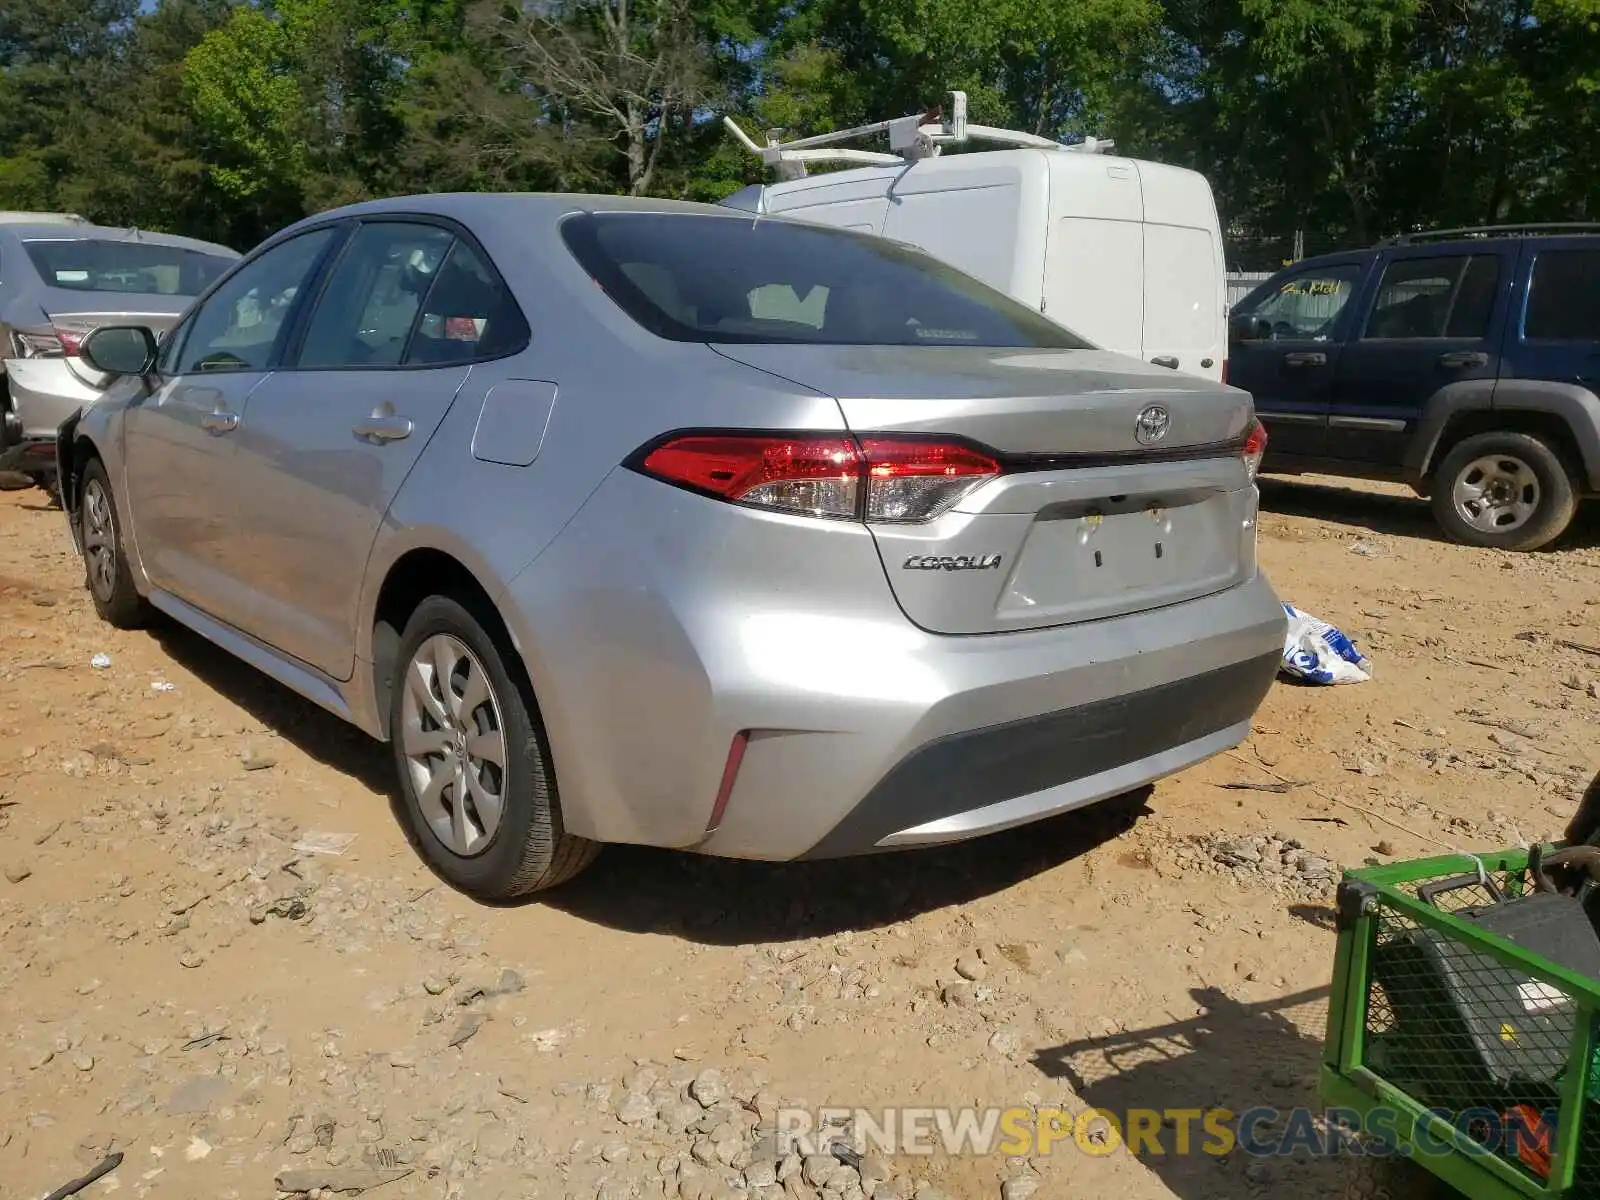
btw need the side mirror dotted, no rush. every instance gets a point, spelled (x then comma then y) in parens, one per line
(1249, 328)
(120, 350)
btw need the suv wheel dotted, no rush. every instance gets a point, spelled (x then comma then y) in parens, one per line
(475, 773)
(106, 570)
(1509, 491)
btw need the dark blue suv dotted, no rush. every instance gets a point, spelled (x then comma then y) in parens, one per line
(1465, 363)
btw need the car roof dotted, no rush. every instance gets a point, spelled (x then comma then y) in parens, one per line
(538, 206)
(64, 232)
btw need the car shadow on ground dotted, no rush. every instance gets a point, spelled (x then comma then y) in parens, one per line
(717, 901)
(1234, 1056)
(1399, 516)
(709, 900)
(324, 737)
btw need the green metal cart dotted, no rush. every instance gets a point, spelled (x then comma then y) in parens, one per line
(1452, 1041)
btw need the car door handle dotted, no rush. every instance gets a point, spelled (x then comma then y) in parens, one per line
(384, 428)
(1165, 360)
(1464, 358)
(1305, 358)
(220, 421)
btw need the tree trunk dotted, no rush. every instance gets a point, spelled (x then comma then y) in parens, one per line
(637, 180)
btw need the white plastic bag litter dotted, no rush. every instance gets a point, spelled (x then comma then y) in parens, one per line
(1316, 652)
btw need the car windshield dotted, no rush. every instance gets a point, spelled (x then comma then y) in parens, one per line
(102, 265)
(699, 278)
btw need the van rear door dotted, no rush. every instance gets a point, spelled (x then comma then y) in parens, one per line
(1185, 321)
(1094, 263)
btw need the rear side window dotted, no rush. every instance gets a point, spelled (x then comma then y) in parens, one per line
(468, 315)
(1564, 297)
(101, 265)
(695, 278)
(1435, 298)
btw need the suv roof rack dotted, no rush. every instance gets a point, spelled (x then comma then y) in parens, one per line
(1493, 231)
(922, 135)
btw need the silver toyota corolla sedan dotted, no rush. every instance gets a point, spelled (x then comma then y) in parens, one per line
(633, 521)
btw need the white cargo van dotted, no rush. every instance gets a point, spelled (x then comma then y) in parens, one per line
(1126, 253)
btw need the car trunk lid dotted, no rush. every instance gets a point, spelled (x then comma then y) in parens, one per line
(1122, 486)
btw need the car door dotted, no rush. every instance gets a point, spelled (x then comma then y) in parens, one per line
(1557, 333)
(180, 438)
(1283, 348)
(1435, 320)
(406, 310)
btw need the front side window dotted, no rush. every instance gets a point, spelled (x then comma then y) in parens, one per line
(238, 327)
(1435, 298)
(729, 279)
(367, 309)
(1307, 307)
(1564, 297)
(103, 265)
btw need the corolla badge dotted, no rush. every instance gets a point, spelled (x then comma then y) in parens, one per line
(1151, 425)
(946, 562)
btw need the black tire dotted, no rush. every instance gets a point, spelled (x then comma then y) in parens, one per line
(115, 597)
(1585, 823)
(528, 850)
(1554, 508)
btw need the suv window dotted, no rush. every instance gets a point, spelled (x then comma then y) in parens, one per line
(1446, 297)
(365, 313)
(1564, 297)
(468, 314)
(730, 279)
(1306, 307)
(237, 328)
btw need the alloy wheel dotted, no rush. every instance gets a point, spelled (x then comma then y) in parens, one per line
(99, 540)
(455, 744)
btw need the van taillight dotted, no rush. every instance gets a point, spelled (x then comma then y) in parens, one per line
(879, 479)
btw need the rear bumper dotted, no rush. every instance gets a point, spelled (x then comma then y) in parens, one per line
(1006, 730)
(44, 393)
(652, 646)
(990, 779)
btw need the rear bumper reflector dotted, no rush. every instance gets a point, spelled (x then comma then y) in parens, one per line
(730, 773)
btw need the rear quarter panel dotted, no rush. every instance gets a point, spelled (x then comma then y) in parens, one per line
(617, 387)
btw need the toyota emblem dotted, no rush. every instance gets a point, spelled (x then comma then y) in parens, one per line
(1151, 425)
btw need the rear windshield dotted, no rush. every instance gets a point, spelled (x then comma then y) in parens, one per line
(100, 265)
(698, 278)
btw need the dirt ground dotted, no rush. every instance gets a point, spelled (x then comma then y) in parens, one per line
(183, 985)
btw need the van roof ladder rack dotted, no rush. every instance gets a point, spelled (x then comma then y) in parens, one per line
(919, 136)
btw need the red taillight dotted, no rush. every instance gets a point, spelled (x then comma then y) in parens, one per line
(1224, 370)
(819, 476)
(55, 342)
(906, 479)
(1255, 445)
